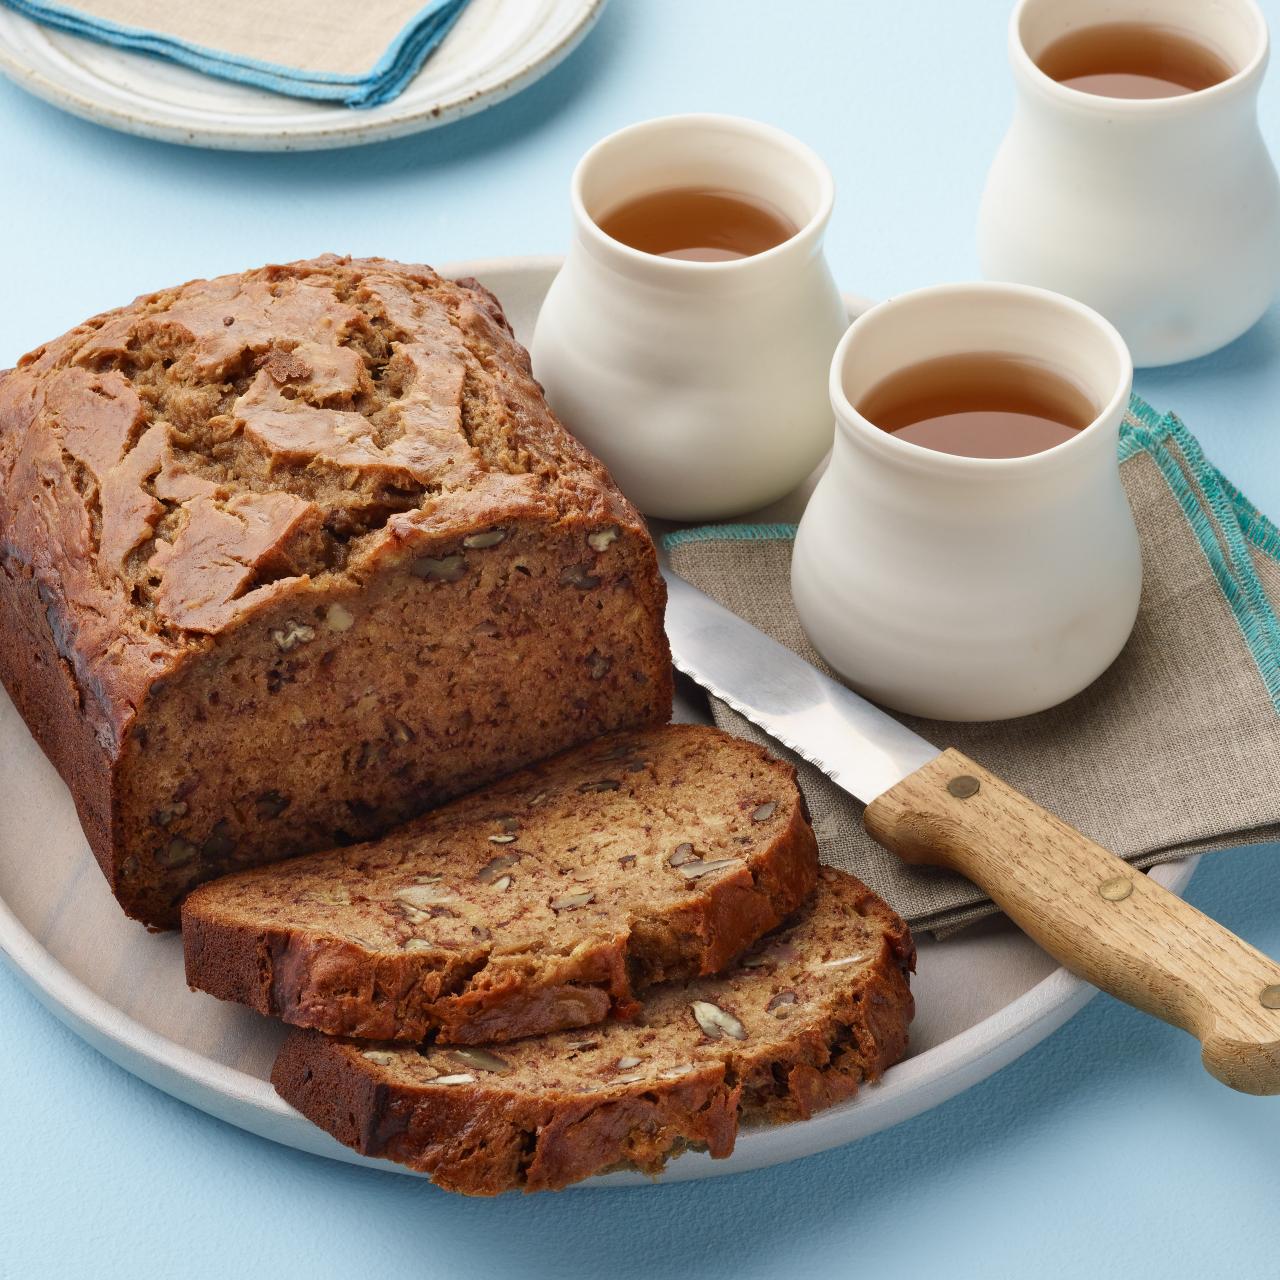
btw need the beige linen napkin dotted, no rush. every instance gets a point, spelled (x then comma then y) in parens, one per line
(1174, 750)
(357, 54)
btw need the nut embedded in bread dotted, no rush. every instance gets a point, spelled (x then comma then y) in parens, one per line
(814, 1012)
(288, 556)
(545, 901)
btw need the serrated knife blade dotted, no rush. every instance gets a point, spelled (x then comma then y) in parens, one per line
(858, 746)
(1091, 911)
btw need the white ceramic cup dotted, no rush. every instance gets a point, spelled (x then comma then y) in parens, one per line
(701, 385)
(1161, 213)
(971, 588)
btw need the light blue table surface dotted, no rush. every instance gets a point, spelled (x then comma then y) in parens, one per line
(1106, 1151)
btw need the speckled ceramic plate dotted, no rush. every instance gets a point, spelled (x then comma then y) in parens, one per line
(983, 998)
(497, 48)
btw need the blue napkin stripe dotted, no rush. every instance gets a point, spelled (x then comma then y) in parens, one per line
(401, 61)
(1225, 525)
(1224, 522)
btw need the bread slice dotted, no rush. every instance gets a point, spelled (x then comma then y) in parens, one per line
(812, 1013)
(544, 902)
(290, 556)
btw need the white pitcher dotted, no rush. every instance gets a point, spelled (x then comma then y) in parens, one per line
(1161, 213)
(701, 385)
(971, 588)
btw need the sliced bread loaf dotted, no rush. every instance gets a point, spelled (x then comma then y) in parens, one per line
(808, 1016)
(544, 902)
(289, 556)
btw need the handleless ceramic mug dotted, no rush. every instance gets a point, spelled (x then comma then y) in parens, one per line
(965, 588)
(1161, 213)
(701, 385)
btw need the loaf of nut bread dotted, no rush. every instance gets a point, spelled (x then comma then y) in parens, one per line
(818, 1009)
(545, 901)
(288, 556)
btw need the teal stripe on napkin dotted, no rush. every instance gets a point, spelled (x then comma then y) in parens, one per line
(1226, 526)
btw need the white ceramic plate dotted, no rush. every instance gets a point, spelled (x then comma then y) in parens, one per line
(496, 48)
(983, 998)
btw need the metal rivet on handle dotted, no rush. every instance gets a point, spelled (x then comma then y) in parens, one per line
(1117, 889)
(963, 786)
(1270, 997)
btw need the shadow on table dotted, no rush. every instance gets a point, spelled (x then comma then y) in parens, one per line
(509, 124)
(1232, 386)
(1254, 351)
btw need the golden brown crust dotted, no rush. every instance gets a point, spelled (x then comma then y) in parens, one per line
(39, 680)
(189, 484)
(817, 1010)
(460, 924)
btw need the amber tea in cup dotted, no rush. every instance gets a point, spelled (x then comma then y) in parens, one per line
(979, 405)
(1133, 60)
(698, 224)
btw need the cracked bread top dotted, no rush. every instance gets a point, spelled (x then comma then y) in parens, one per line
(177, 465)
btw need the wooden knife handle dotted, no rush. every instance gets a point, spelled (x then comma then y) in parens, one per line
(1093, 913)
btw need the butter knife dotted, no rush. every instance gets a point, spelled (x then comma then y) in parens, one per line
(1091, 911)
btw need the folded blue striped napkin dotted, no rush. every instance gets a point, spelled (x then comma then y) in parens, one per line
(331, 50)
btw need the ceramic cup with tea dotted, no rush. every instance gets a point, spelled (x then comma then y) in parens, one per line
(1134, 176)
(969, 554)
(687, 338)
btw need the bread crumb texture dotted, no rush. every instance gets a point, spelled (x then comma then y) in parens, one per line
(548, 900)
(813, 1012)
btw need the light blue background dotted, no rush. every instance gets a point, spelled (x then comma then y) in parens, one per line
(1106, 1151)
